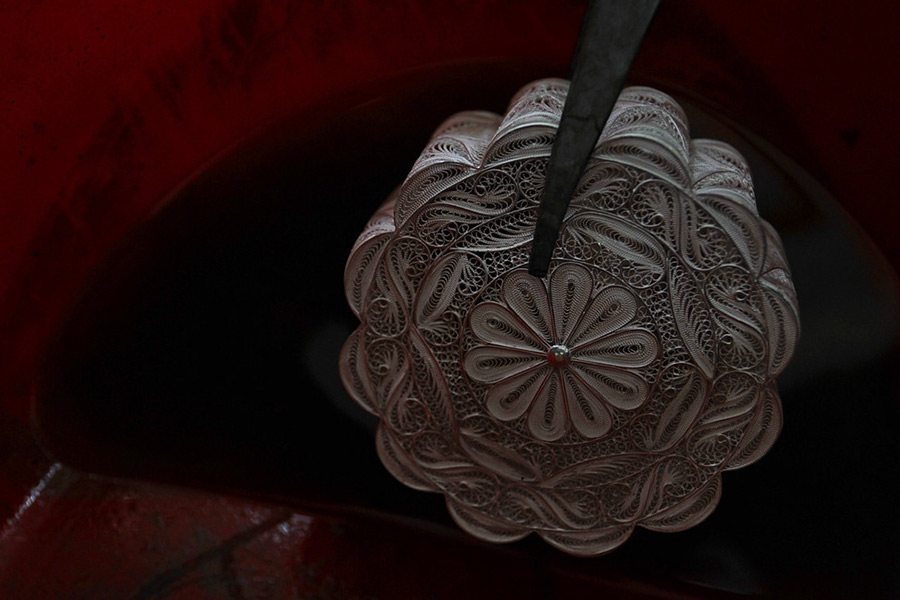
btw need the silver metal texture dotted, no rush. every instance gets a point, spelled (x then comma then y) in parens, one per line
(671, 297)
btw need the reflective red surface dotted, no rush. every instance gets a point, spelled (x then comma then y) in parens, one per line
(107, 109)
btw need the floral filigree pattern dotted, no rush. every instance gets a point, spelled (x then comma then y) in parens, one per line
(611, 395)
(560, 355)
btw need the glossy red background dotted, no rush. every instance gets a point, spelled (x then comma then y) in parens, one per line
(107, 107)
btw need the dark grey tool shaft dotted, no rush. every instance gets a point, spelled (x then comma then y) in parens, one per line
(611, 36)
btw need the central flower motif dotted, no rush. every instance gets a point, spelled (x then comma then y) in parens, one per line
(560, 354)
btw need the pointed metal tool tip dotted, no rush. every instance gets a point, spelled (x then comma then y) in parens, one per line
(611, 36)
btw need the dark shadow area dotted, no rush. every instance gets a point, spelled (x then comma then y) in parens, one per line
(205, 351)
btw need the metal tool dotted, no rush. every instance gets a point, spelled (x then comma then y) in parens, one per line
(611, 35)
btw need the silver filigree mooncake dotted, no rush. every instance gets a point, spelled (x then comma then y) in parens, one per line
(613, 393)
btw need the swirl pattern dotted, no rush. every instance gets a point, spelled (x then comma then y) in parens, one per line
(614, 393)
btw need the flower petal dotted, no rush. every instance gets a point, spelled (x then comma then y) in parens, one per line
(489, 364)
(527, 297)
(571, 286)
(617, 387)
(590, 418)
(547, 417)
(510, 398)
(629, 348)
(495, 324)
(613, 308)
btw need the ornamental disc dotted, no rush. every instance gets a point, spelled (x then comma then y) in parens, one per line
(614, 392)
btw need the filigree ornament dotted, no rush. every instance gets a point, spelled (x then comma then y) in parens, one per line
(612, 394)
(561, 357)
